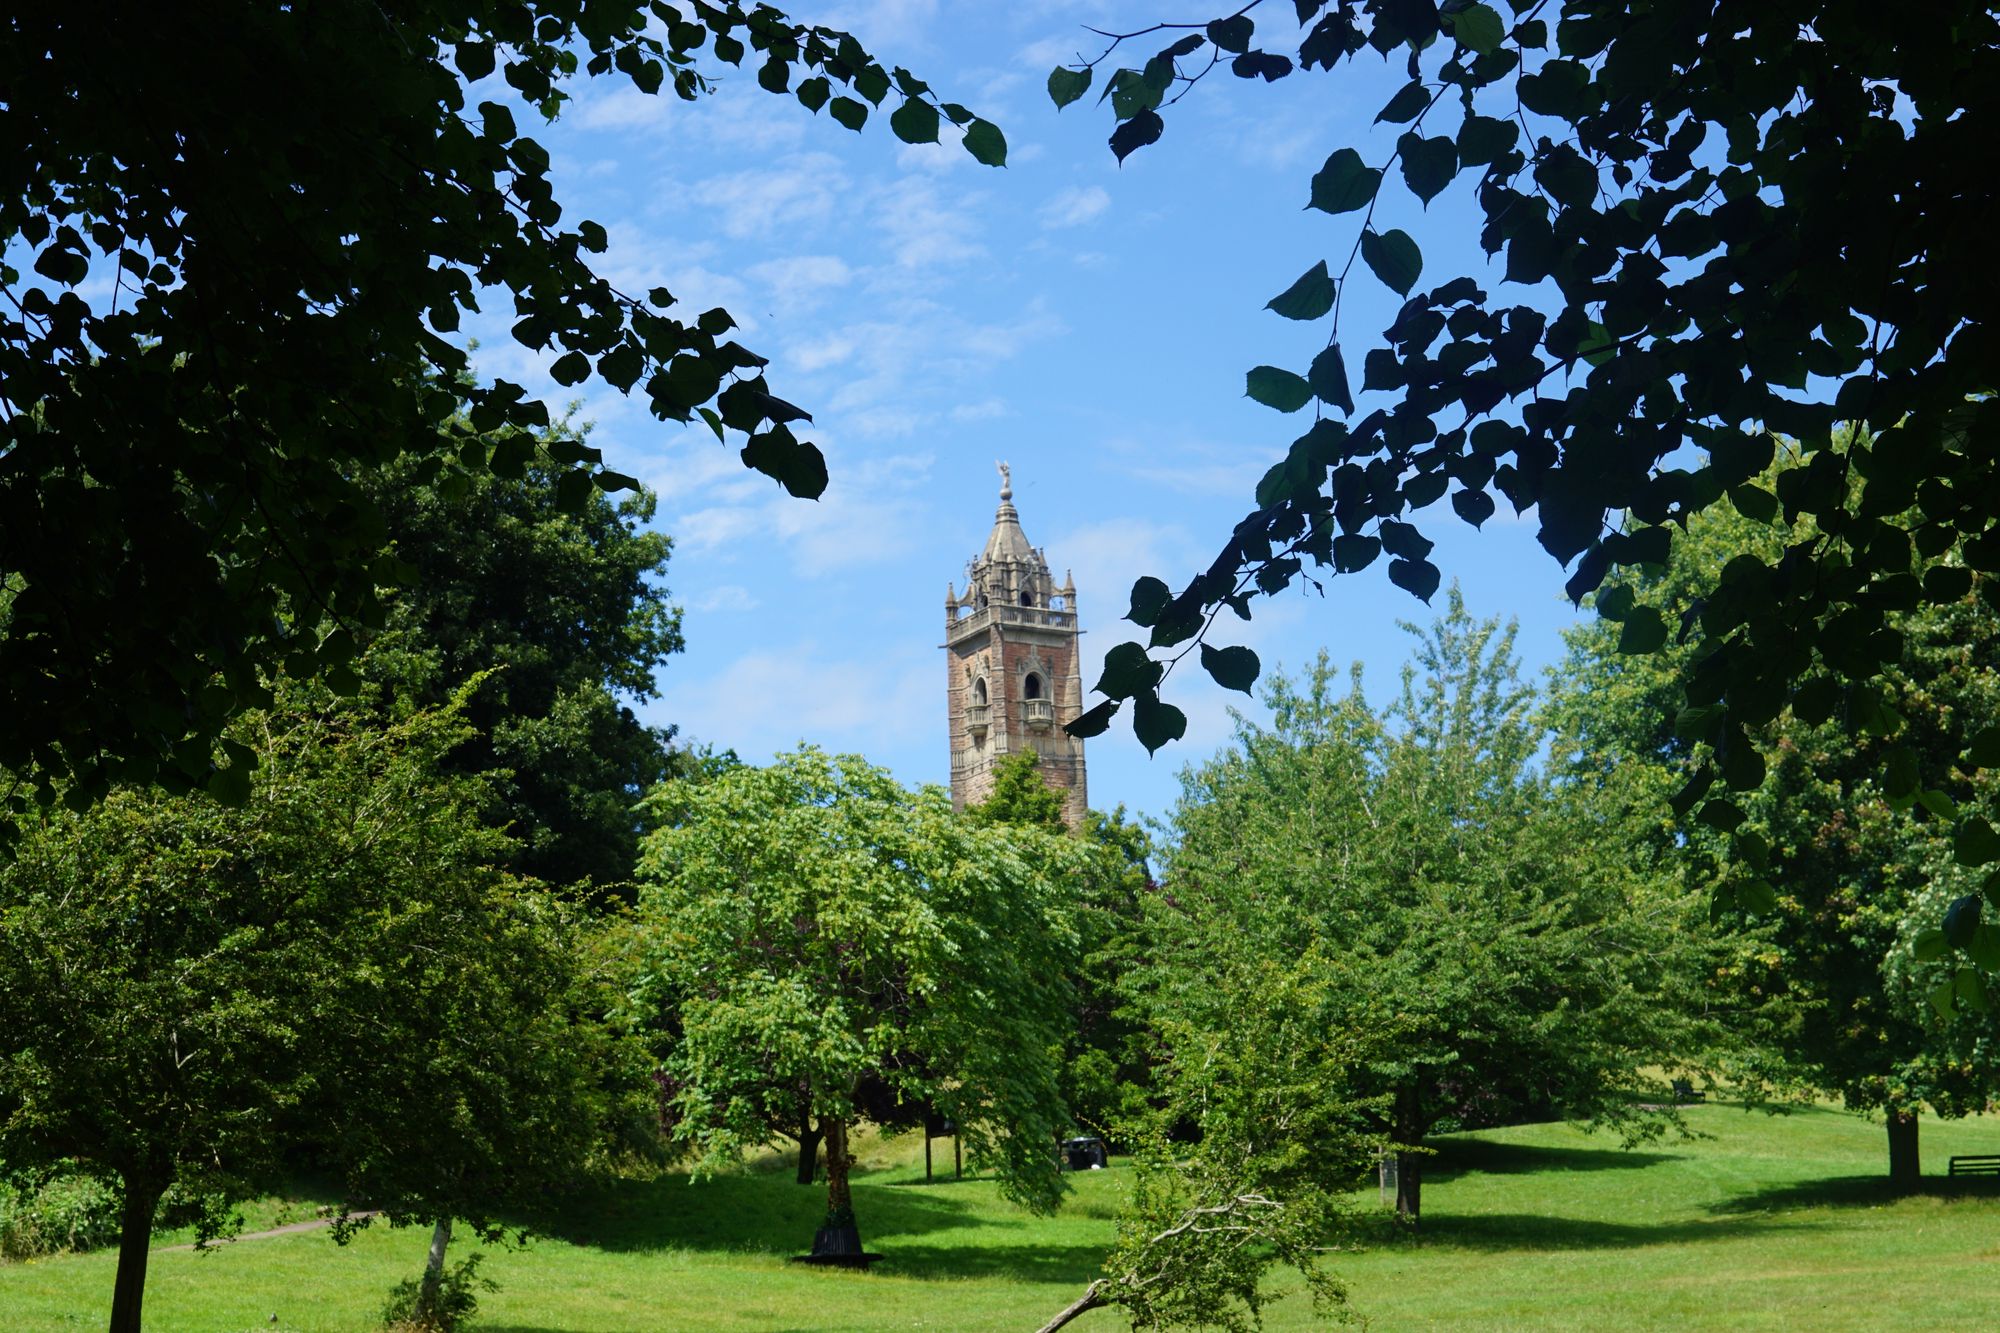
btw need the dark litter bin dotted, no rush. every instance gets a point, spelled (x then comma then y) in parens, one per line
(1085, 1154)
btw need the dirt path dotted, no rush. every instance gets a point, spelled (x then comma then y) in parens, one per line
(291, 1229)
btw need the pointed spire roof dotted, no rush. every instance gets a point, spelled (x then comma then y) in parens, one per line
(1008, 542)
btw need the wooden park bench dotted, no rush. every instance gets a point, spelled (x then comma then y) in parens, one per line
(1987, 1164)
(1686, 1092)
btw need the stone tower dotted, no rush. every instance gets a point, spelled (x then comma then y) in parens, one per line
(1011, 661)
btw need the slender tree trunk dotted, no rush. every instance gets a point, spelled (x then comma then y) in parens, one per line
(1092, 1299)
(1904, 1168)
(838, 1235)
(1409, 1165)
(135, 1243)
(427, 1292)
(808, 1150)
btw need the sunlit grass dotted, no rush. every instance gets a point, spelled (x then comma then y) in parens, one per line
(1766, 1223)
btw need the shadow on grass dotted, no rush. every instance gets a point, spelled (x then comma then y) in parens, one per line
(752, 1213)
(1457, 1156)
(1856, 1192)
(1490, 1232)
(1068, 1265)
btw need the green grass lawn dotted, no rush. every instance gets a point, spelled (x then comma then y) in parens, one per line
(1767, 1222)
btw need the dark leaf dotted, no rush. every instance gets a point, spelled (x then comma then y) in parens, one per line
(1233, 668)
(1308, 298)
(1065, 86)
(1127, 671)
(1136, 133)
(1414, 576)
(986, 144)
(1149, 597)
(1344, 184)
(1394, 257)
(1327, 379)
(1277, 388)
(915, 121)
(1155, 723)
(1093, 721)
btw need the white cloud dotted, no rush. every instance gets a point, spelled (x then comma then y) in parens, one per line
(725, 597)
(1075, 206)
(802, 189)
(771, 699)
(922, 228)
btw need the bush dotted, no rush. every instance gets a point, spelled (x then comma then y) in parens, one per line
(451, 1307)
(47, 1212)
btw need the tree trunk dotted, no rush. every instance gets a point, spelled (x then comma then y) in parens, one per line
(1409, 1165)
(135, 1243)
(1092, 1299)
(808, 1151)
(1904, 1168)
(838, 1235)
(427, 1291)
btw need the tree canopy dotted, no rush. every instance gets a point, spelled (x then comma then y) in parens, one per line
(332, 973)
(1835, 897)
(292, 207)
(561, 612)
(1434, 888)
(815, 935)
(1715, 222)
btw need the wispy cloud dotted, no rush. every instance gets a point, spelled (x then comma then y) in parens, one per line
(1075, 206)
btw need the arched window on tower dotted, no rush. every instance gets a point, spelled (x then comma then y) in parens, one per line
(979, 691)
(1031, 688)
(1027, 599)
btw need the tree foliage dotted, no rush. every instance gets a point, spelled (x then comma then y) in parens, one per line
(291, 209)
(1438, 891)
(1836, 893)
(561, 610)
(199, 995)
(1715, 222)
(816, 934)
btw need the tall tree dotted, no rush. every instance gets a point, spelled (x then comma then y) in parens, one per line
(1836, 895)
(561, 610)
(1718, 220)
(194, 995)
(1446, 891)
(813, 927)
(1104, 1067)
(291, 207)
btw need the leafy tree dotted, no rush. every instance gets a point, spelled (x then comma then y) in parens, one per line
(1104, 1067)
(293, 205)
(561, 610)
(1718, 221)
(196, 995)
(1263, 1077)
(1836, 896)
(814, 928)
(1446, 893)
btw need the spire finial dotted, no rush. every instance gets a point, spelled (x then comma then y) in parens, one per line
(1006, 482)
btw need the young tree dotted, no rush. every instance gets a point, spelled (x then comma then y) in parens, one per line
(1446, 888)
(1837, 897)
(812, 928)
(560, 608)
(194, 995)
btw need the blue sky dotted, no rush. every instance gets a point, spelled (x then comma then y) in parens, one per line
(1090, 324)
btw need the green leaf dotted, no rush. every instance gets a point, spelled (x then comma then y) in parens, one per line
(812, 94)
(1136, 133)
(1754, 503)
(1232, 34)
(1428, 164)
(1277, 388)
(1149, 597)
(1327, 378)
(1394, 257)
(1418, 577)
(1757, 895)
(1479, 28)
(1961, 919)
(1644, 631)
(849, 112)
(1723, 814)
(1233, 668)
(986, 143)
(1984, 947)
(1155, 723)
(1969, 989)
(1941, 997)
(570, 368)
(1093, 721)
(608, 480)
(1405, 106)
(1308, 298)
(1065, 86)
(475, 60)
(1976, 844)
(1344, 184)
(1127, 671)
(915, 121)
(1929, 945)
